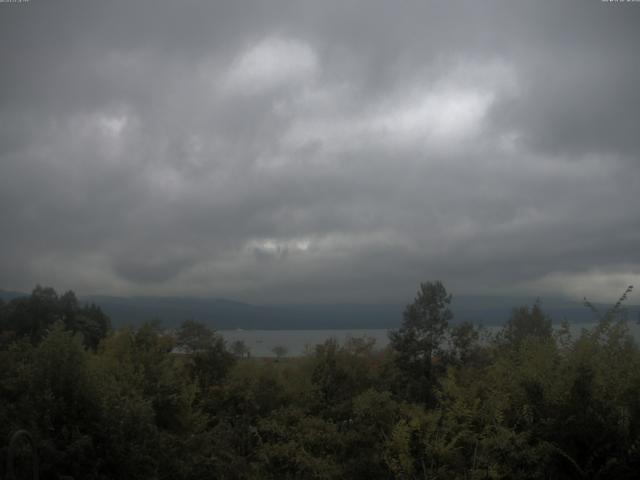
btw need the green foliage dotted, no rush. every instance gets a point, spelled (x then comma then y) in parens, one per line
(279, 351)
(211, 365)
(295, 446)
(418, 343)
(194, 336)
(442, 402)
(32, 317)
(525, 323)
(340, 373)
(240, 349)
(465, 344)
(208, 360)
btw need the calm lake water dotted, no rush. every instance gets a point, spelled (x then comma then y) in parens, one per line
(262, 342)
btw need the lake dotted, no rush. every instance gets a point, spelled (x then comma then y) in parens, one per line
(262, 342)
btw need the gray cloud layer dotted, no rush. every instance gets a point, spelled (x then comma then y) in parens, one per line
(320, 151)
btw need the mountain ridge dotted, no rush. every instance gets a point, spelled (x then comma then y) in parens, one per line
(225, 314)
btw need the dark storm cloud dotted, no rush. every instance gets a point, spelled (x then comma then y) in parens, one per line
(313, 151)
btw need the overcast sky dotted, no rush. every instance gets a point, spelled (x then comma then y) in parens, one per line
(320, 151)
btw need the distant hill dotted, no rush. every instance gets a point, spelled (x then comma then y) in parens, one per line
(492, 310)
(8, 295)
(224, 314)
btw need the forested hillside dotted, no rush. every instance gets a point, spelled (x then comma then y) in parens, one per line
(444, 400)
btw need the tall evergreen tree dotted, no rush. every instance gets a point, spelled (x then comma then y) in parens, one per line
(418, 342)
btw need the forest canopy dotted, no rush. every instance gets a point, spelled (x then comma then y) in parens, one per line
(440, 401)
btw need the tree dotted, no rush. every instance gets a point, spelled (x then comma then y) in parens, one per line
(212, 364)
(465, 343)
(33, 317)
(66, 404)
(195, 335)
(240, 349)
(209, 360)
(418, 342)
(92, 323)
(526, 323)
(279, 351)
(295, 445)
